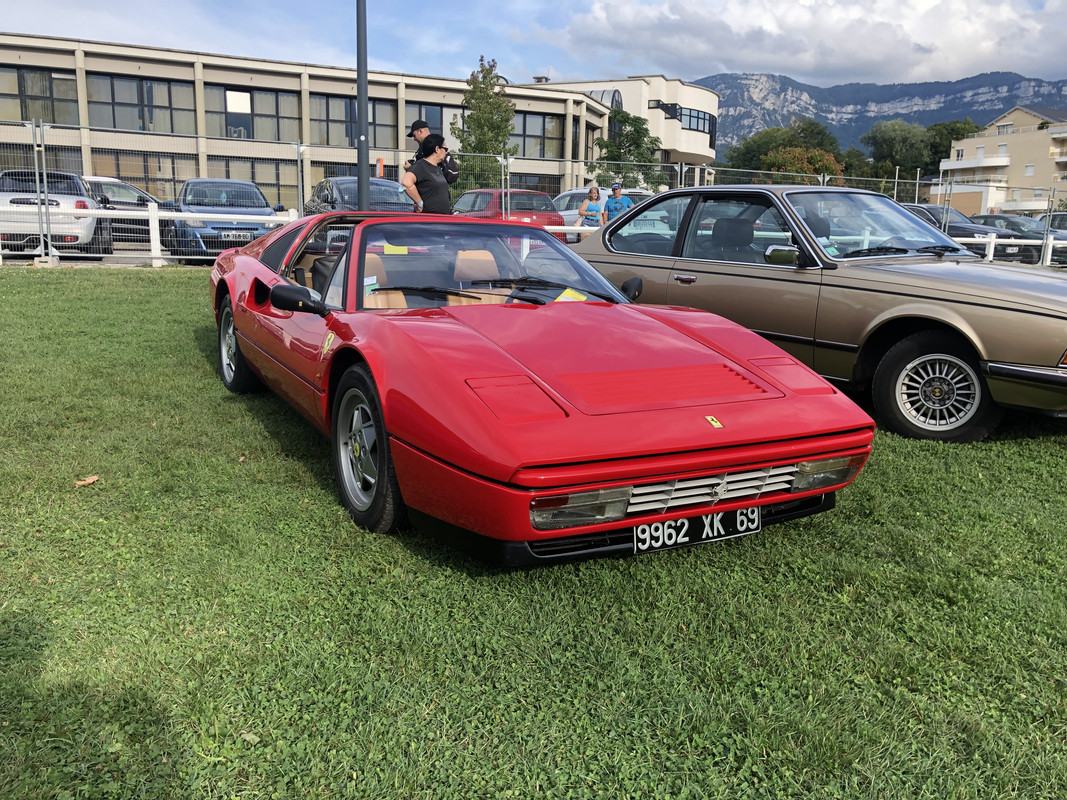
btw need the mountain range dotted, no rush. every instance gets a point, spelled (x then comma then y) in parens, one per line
(749, 103)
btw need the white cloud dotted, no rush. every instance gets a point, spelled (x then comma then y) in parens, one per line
(823, 42)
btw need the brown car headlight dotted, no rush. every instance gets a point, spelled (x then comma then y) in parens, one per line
(825, 472)
(580, 508)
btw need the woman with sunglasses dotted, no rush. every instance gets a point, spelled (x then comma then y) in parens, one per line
(425, 181)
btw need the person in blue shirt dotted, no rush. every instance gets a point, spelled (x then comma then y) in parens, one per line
(589, 211)
(616, 204)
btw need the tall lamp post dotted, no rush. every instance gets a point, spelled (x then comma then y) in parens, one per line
(363, 146)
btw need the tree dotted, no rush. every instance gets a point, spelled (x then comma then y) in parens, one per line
(629, 154)
(490, 116)
(749, 152)
(900, 143)
(939, 139)
(802, 160)
(815, 136)
(802, 132)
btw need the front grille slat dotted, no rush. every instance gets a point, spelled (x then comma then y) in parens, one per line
(710, 489)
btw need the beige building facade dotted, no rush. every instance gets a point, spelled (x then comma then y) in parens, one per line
(157, 117)
(1017, 164)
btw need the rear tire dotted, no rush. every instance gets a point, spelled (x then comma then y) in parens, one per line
(236, 375)
(929, 386)
(362, 459)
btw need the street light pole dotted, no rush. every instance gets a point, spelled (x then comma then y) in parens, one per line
(363, 146)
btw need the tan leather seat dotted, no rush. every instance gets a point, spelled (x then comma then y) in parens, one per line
(374, 268)
(475, 265)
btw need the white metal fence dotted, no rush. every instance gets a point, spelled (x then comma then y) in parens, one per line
(38, 220)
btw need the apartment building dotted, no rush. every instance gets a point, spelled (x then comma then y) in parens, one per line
(1017, 164)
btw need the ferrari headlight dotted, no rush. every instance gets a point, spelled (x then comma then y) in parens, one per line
(580, 508)
(826, 472)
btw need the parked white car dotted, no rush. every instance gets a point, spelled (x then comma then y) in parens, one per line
(66, 195)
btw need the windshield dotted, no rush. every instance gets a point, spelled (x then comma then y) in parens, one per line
(224, 195)
(853, 225)
(430, 264)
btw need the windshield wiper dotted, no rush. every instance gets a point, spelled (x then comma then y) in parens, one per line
(541, 283)
(430, 291)
(941, 249)
(876, 251)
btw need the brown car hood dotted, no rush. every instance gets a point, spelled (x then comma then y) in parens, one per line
(1001, 283)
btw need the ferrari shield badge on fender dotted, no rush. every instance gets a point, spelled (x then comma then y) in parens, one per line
(714, 422)
(329, 341)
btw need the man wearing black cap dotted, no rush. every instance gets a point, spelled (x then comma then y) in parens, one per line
(419, 131)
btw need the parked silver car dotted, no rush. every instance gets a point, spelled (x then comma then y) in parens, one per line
(64, 195)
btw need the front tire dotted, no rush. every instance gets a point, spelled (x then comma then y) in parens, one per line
(929, 386)
(362, 461)
(236, 375)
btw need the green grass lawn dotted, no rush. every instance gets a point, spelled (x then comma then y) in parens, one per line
(205, 621)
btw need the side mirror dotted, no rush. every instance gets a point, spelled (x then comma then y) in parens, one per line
(169, 204)
(782, 255)
(286, 297)
(632, 288)
(104, 200)
(279, 207)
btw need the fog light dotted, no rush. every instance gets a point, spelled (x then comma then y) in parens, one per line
(580, 508)
(826, 472)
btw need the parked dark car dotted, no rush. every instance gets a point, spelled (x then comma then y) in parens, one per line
(959, 226)
(342, 194)
(943, 340)
(119, 195)
(190, 236)
(1013, 226)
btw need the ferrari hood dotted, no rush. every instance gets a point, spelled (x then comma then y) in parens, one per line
(611, 359)
(495, 388)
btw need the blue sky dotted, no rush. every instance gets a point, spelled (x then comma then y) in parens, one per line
(822, 42)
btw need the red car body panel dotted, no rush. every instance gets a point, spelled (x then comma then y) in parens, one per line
(488, 405)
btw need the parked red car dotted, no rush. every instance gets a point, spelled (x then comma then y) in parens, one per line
(523, 205)
(483, 380)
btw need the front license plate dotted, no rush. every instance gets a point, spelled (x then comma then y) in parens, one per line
(236, 236)
(696, 530)
(1011, 249)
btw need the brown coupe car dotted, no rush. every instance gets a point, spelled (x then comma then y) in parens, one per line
(861, 290)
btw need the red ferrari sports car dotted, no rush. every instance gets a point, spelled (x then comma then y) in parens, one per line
(481, 377)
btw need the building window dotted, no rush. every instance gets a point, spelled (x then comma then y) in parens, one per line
(439, 118)
(691, 119)
(159, 174)
(245, 114)
(591, 135)
(1004, 128)
(334, 122)
(537, 135)
(29, 94)
(959, 154)
(549, 184)
(276, 179)
(136, 104)
(1030, 170)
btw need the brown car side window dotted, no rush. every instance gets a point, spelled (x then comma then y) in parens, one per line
(653, 229)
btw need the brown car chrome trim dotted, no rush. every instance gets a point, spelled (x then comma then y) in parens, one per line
(1043, 375)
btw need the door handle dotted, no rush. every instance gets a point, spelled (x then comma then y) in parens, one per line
(685, 278)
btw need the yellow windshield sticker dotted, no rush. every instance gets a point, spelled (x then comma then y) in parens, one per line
(571, 294)
(395, 249)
